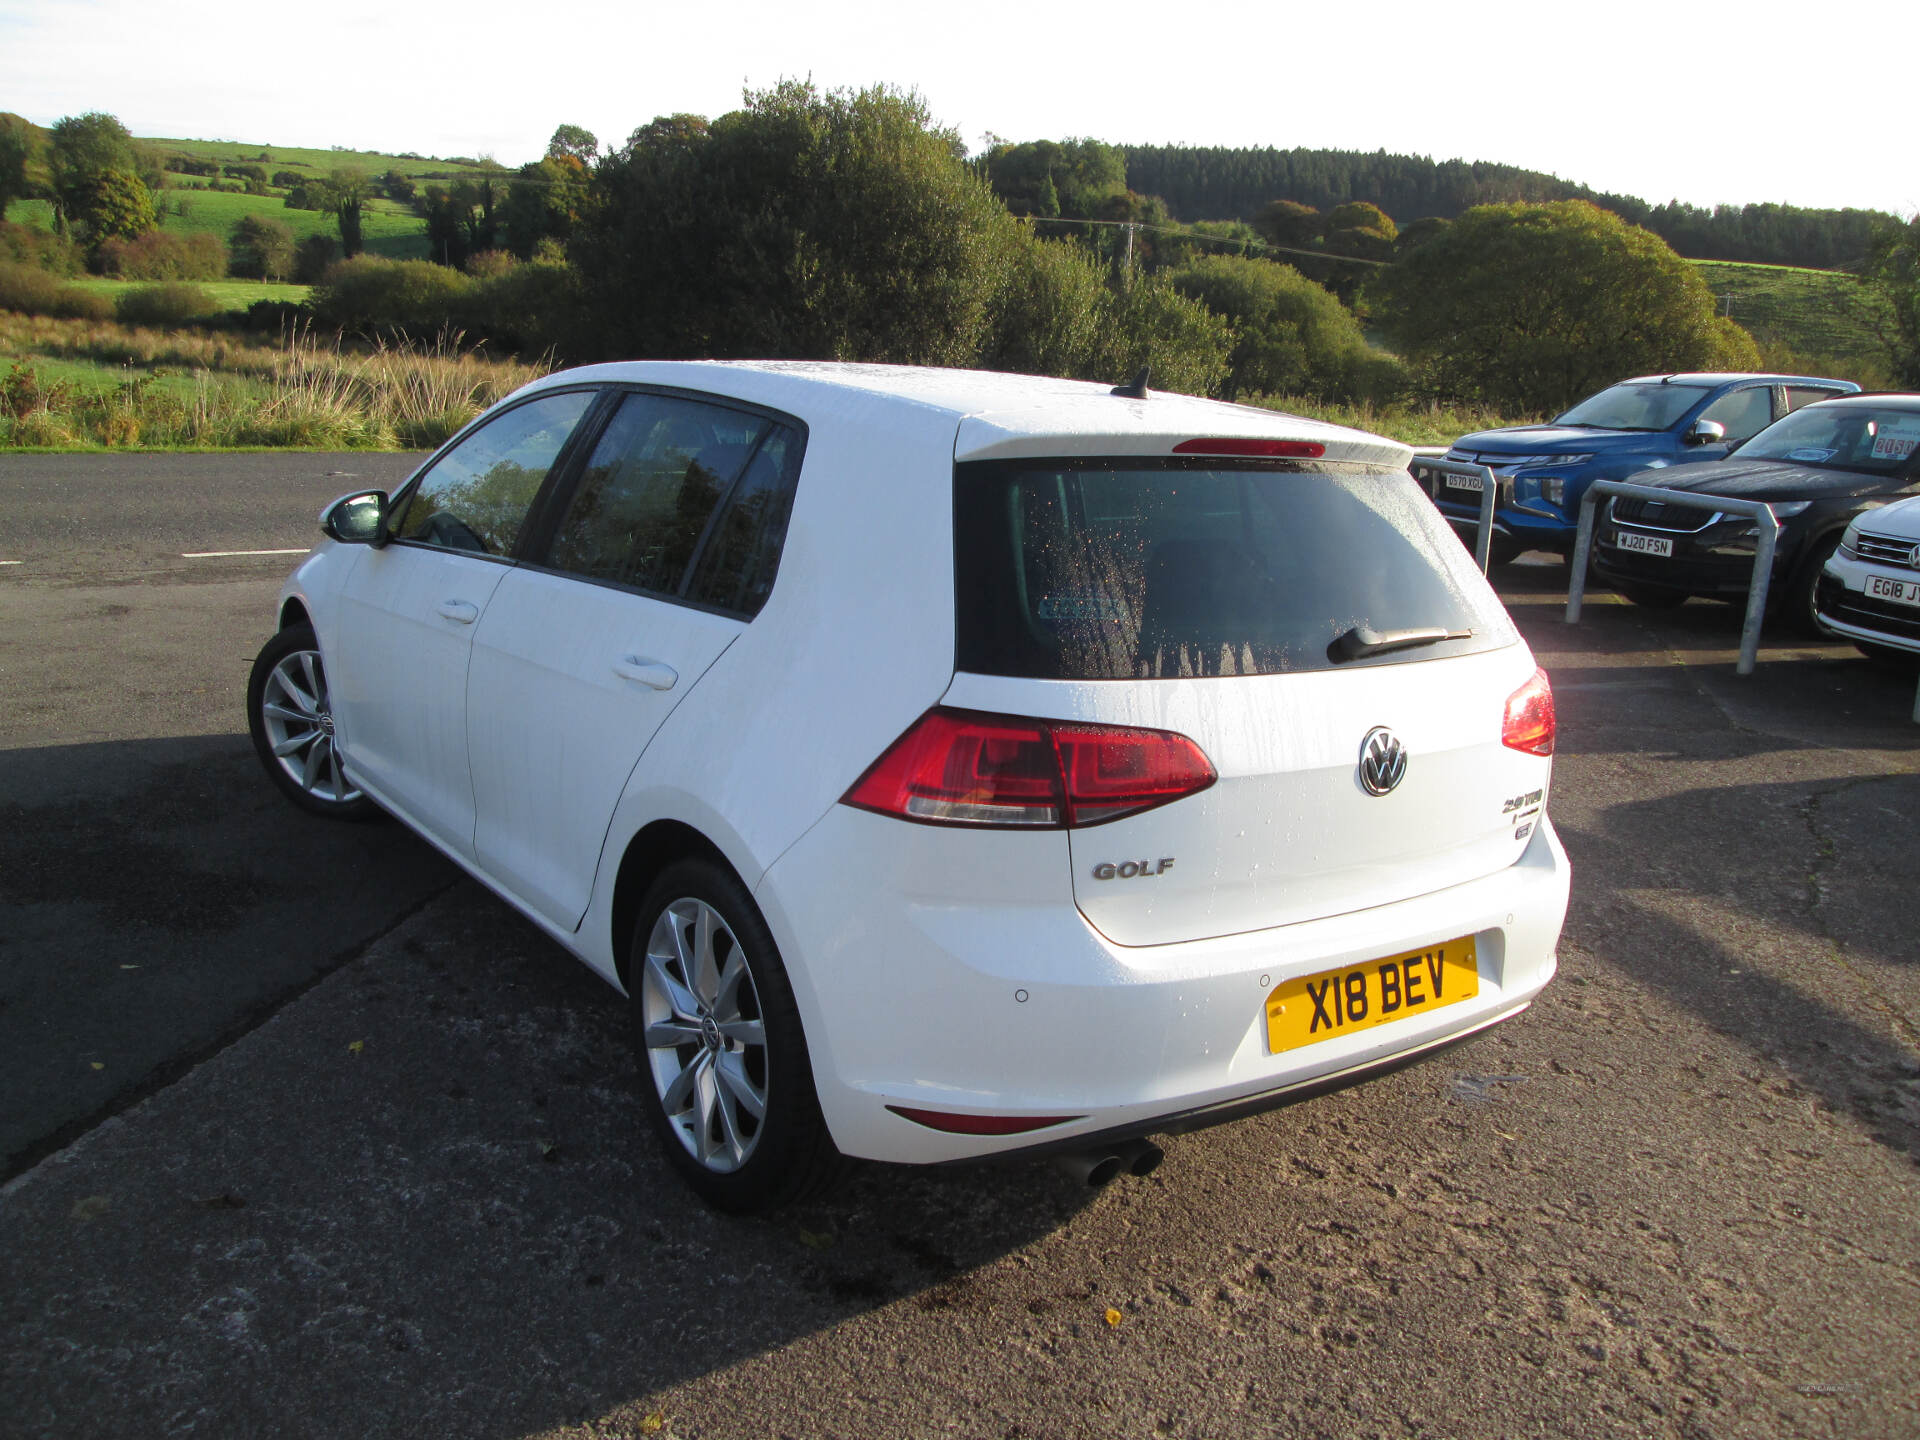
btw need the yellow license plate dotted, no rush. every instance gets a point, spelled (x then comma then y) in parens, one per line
(1358, 997)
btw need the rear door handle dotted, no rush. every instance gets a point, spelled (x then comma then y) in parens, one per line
(659, 675)
(461, 612)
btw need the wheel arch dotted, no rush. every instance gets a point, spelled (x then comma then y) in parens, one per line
(652, 849)
(293, 611)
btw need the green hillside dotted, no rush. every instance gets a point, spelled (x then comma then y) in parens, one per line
(1819, 322)
(319, 162)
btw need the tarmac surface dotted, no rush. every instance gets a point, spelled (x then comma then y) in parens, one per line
(363, 1155)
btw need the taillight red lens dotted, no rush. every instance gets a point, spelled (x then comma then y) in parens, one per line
(960, 767)
(1240, 445)
(1529, 724)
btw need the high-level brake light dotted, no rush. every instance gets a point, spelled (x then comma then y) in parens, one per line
(962, 767)
(1241, 445)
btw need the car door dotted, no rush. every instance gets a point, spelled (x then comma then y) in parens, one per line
(407, 616)
(658, 557)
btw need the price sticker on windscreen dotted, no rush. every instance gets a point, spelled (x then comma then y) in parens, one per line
(1895, 438)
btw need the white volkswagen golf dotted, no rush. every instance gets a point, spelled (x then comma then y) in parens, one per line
(943, 764)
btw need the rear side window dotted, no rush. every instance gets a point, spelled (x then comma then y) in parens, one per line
(1123, 569)
(682, 498)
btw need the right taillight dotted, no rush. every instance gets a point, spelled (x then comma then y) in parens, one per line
(1529, 722)
(962, 767)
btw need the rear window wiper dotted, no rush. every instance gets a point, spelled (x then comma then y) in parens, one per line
(1363, 641)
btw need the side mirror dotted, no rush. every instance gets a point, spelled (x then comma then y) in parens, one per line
(357, 519)
(1706, 432)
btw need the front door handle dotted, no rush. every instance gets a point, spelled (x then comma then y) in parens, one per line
(461, 612)
(648, 672)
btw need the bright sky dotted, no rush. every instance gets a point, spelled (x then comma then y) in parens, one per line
(1690, 99)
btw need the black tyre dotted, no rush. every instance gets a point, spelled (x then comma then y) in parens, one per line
(1795, 606)
(1503, 551)
(290, 715)
(1653, 597)
(724, 1073)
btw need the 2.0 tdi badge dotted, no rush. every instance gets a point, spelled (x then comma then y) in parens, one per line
(1383, 761)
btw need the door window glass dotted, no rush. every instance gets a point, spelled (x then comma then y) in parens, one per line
(477, 495)
(647, 494)
(1744, 412)
(1798, 395)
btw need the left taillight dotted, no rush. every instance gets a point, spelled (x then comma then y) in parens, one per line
(963, 767)
(1529, 724)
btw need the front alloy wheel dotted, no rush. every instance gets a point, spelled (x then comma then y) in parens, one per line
(290, 716)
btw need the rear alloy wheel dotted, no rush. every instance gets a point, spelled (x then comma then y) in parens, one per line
(290, 715)
(723, 1062)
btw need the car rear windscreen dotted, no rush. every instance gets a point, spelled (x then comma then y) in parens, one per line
(1143, 569)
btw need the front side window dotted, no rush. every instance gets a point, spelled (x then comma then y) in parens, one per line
(1652, 406)
(477, 495)
(1745, 413)
(1130, 569)
(676, 484)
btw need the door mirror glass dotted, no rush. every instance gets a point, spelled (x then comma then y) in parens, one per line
(1706, 432)
(357, 519)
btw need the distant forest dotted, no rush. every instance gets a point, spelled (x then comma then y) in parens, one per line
(1216, 183)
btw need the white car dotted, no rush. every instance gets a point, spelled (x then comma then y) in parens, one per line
(1870, 590)
(944, 764)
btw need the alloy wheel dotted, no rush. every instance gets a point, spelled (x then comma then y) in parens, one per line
(704, 1036)
(297, 712)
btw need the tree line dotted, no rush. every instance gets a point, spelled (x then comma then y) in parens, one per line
(849, 225)
(1224, 183)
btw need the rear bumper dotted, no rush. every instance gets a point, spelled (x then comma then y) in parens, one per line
(1021, 1008)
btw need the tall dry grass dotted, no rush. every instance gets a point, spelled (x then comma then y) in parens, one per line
(300, 393)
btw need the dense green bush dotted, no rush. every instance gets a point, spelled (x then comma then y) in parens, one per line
(162, 255)
(170, 303)
(375, 297)
(1290, 336)
(262, 248)
(312, 258)
(284, 178)
(42, 249)
(1529, 307)
(32, 291)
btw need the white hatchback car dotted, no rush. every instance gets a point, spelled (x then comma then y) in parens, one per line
(1870, 589)
(944, 764)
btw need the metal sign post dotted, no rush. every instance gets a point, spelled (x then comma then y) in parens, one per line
(1488, 487)
(1764, 521)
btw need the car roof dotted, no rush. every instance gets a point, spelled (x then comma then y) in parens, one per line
(995, 415)
(1730, 377)
(1872, 400)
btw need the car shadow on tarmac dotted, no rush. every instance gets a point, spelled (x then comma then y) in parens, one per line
(429, 1186)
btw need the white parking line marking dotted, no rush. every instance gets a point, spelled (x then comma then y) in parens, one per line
(12, 562)
(223, 554)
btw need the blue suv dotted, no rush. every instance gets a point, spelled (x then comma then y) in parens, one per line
(1641, 424)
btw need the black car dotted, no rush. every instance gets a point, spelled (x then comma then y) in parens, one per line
(1818, 468)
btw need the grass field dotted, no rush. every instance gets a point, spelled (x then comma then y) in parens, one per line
(388, 229)
(1819, 322)
(317, 161)
(232, 294)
